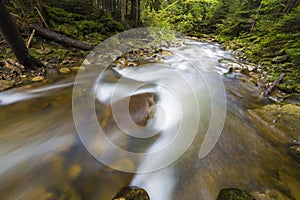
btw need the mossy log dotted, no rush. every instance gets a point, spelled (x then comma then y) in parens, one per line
(61, 38)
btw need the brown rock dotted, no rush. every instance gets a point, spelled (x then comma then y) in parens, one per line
(37, 78)
(5, 85)
(64, 70)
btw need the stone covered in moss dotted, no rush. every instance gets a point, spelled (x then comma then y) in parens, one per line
(132, 193)
(286, 118)
(234, 194)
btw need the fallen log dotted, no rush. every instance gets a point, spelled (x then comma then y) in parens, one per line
(61, 38)
(274, 84)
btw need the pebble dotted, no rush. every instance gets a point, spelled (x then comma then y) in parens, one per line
(78, 68)
(74, 171)
(131, 64)
(64, 70)
(37, 78)
(86, 62)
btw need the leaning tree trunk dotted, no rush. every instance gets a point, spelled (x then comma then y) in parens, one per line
(14, 39)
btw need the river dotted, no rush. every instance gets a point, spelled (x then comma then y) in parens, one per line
(199, 139)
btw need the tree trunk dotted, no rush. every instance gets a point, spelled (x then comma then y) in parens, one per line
(123, 10)
(133, 9)
(138, 12)
(126, 7)
(14, 39)
(61, 38)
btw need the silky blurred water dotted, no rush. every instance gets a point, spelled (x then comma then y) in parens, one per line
(41, 156)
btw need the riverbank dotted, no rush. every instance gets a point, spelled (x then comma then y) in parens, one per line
(269, 67)
(58, 58)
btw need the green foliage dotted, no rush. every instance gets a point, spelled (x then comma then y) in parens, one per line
(83, 7)
(83, 27)
(266, 31)
(59, 15)
(290, 23)
(184, 16)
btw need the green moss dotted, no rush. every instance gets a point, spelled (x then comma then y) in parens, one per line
(83, 7)
(132, 193)
(68, 30)
(280, 116)
(234, 194)
(59, 15)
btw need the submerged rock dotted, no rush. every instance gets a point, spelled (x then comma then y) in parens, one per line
(141, 109)
(234, 194)
(270, 194)
(132, 193)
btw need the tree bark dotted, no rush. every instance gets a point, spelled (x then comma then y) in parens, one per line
(61, 38)
(123, 10)
(274, 84)
(14, 39)
(133, 9)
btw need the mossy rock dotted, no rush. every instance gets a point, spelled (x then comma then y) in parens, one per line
(295, 149)
(132, 193)
(234, 194)
(285, 118)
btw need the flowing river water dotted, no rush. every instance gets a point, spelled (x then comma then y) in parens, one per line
(42, 156)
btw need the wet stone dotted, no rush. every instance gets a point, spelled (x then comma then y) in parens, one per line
(51, 71)
(132, 193)
(270, 194)
(64, 70)
(295, 149)
(37, 78)
(234, 194)
(281, 115)
(5, 85)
